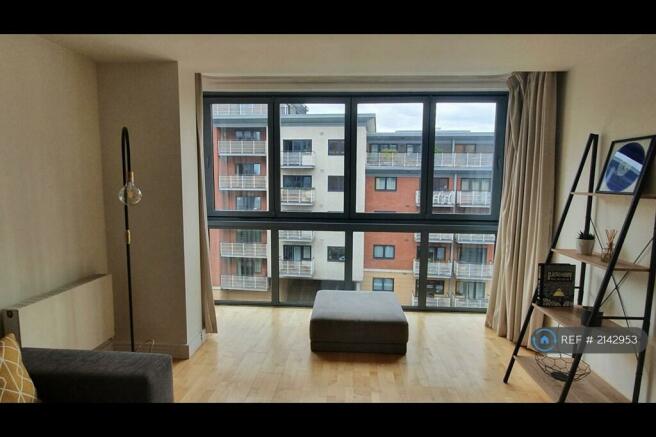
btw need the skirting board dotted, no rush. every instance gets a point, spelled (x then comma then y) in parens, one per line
(178, 351)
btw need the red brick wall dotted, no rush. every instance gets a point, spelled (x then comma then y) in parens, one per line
(401, 200)
(404, 250)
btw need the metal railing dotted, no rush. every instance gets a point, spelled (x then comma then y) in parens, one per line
(435, 269)
(466, 160)
(463, 302)
(297, 159)
(476, 238)
(244, 250)
(296, 269)
(472, 271)
(474, 198)
(243, 183)
(440, 198)
(297, 196)
(296, 235)
(242, 148)
(394, 159)
(435, 237)
(254, 283)
(223, 109)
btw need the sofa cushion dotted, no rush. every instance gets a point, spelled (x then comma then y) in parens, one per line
(16, 385)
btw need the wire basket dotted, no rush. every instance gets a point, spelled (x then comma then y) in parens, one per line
(557, 366)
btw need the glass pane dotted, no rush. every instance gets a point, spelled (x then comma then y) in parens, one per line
(305, 267)
(389, 142)
(312, 154)
(387, 263)
(240, 154)
(464, 158)
(458, 263)
(240, 262)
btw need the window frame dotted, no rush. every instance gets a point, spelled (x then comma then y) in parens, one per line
(385, 247)
(343, 147)
(335, 260)
(347, 221)
(328, 190)
(373, 287)
(386, 178)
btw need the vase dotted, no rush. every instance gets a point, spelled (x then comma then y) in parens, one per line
(584, 247)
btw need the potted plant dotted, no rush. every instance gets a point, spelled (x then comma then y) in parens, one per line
(585, 243)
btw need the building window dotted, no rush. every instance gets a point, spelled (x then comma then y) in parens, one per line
(471, 289)
(248, 169)
(292, 252)
(435, 253)
(297, 146)
(336, 184)
(248, 203)
(335, 147)
(386, 184)
(441, 184)
(248, 236)
(383, 251)
(469, 184)
(473, 254)
(434, 288)
(336, 254)
(289, 181)
(383, 284)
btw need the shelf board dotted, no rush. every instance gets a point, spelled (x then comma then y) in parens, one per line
(590, 389)
(628, 196)
(595, 260)
(569, 316)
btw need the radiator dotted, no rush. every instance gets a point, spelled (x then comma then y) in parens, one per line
(78, 316)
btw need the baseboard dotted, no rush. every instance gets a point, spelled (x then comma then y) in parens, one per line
(179, 351)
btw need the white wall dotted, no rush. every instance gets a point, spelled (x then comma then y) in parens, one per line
(51, 202)
(614, 96)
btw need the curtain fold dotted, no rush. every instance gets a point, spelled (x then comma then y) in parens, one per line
(207, 296)
(527, 201)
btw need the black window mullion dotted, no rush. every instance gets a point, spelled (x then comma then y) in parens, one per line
(350, 158)
(423, 270)
(348, 266)
(275, 268)
(429, 146)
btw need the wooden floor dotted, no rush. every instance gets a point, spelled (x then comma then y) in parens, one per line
(263, 355)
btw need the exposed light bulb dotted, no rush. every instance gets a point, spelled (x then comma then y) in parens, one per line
(130, 194)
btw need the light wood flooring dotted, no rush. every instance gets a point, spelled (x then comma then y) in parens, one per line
(263, 355)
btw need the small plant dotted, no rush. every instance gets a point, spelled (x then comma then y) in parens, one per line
(585, 236)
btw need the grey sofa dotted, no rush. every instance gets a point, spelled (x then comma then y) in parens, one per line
(62, 375)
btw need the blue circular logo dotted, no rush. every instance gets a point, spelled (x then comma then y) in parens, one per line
(544, 340)
(624, 167)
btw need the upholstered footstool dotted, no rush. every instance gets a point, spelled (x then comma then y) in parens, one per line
(358, 321)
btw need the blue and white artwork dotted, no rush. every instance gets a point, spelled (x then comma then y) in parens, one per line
(624, 166)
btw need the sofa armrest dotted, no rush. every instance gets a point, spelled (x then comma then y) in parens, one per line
(63, 375)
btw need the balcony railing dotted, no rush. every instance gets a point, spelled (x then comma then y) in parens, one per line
(244, 250)
(297, 196)
(224, 109)
(472, 271)
(296, 235)
(296, 269)
(298, 159)
(474, 198)
(440, 198)
(434, 237)
(464, 160)
(243, 183)
(242, 148)
(462, 302)
(251, 283)
(435, 269)
(394, 160)
(439, 301)
(475, 238)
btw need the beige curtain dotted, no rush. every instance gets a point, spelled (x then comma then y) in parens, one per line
(209, 315)
(527, 202)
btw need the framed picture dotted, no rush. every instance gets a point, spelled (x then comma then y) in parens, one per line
(625, 165)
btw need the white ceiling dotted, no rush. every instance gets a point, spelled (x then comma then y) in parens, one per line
(262, 55)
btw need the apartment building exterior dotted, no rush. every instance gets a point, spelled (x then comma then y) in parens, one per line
(312, 180)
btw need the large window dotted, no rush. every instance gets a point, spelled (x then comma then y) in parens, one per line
(370, 192)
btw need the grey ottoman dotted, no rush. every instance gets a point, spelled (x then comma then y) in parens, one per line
(358, 321)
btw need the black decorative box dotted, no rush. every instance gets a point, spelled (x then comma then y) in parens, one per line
(556, 285)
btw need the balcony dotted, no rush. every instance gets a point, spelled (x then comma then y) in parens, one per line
(440, 198)
(296, 235)
(435, 237)
(242, 148)
(297, 196)
(251, 283)
(296, 269)
(393, 160)
(475, 238)
(242, 183)
(472, 271)
(435, 269)
(462, 302)
(474, 199)
(244, 250)
(297, 160)
(439, 301)
(464, 160)
(220, 110)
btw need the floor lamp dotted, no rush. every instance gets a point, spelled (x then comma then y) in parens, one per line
(129, 195)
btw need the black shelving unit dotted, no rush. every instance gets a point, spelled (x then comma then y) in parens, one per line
(593, 388)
